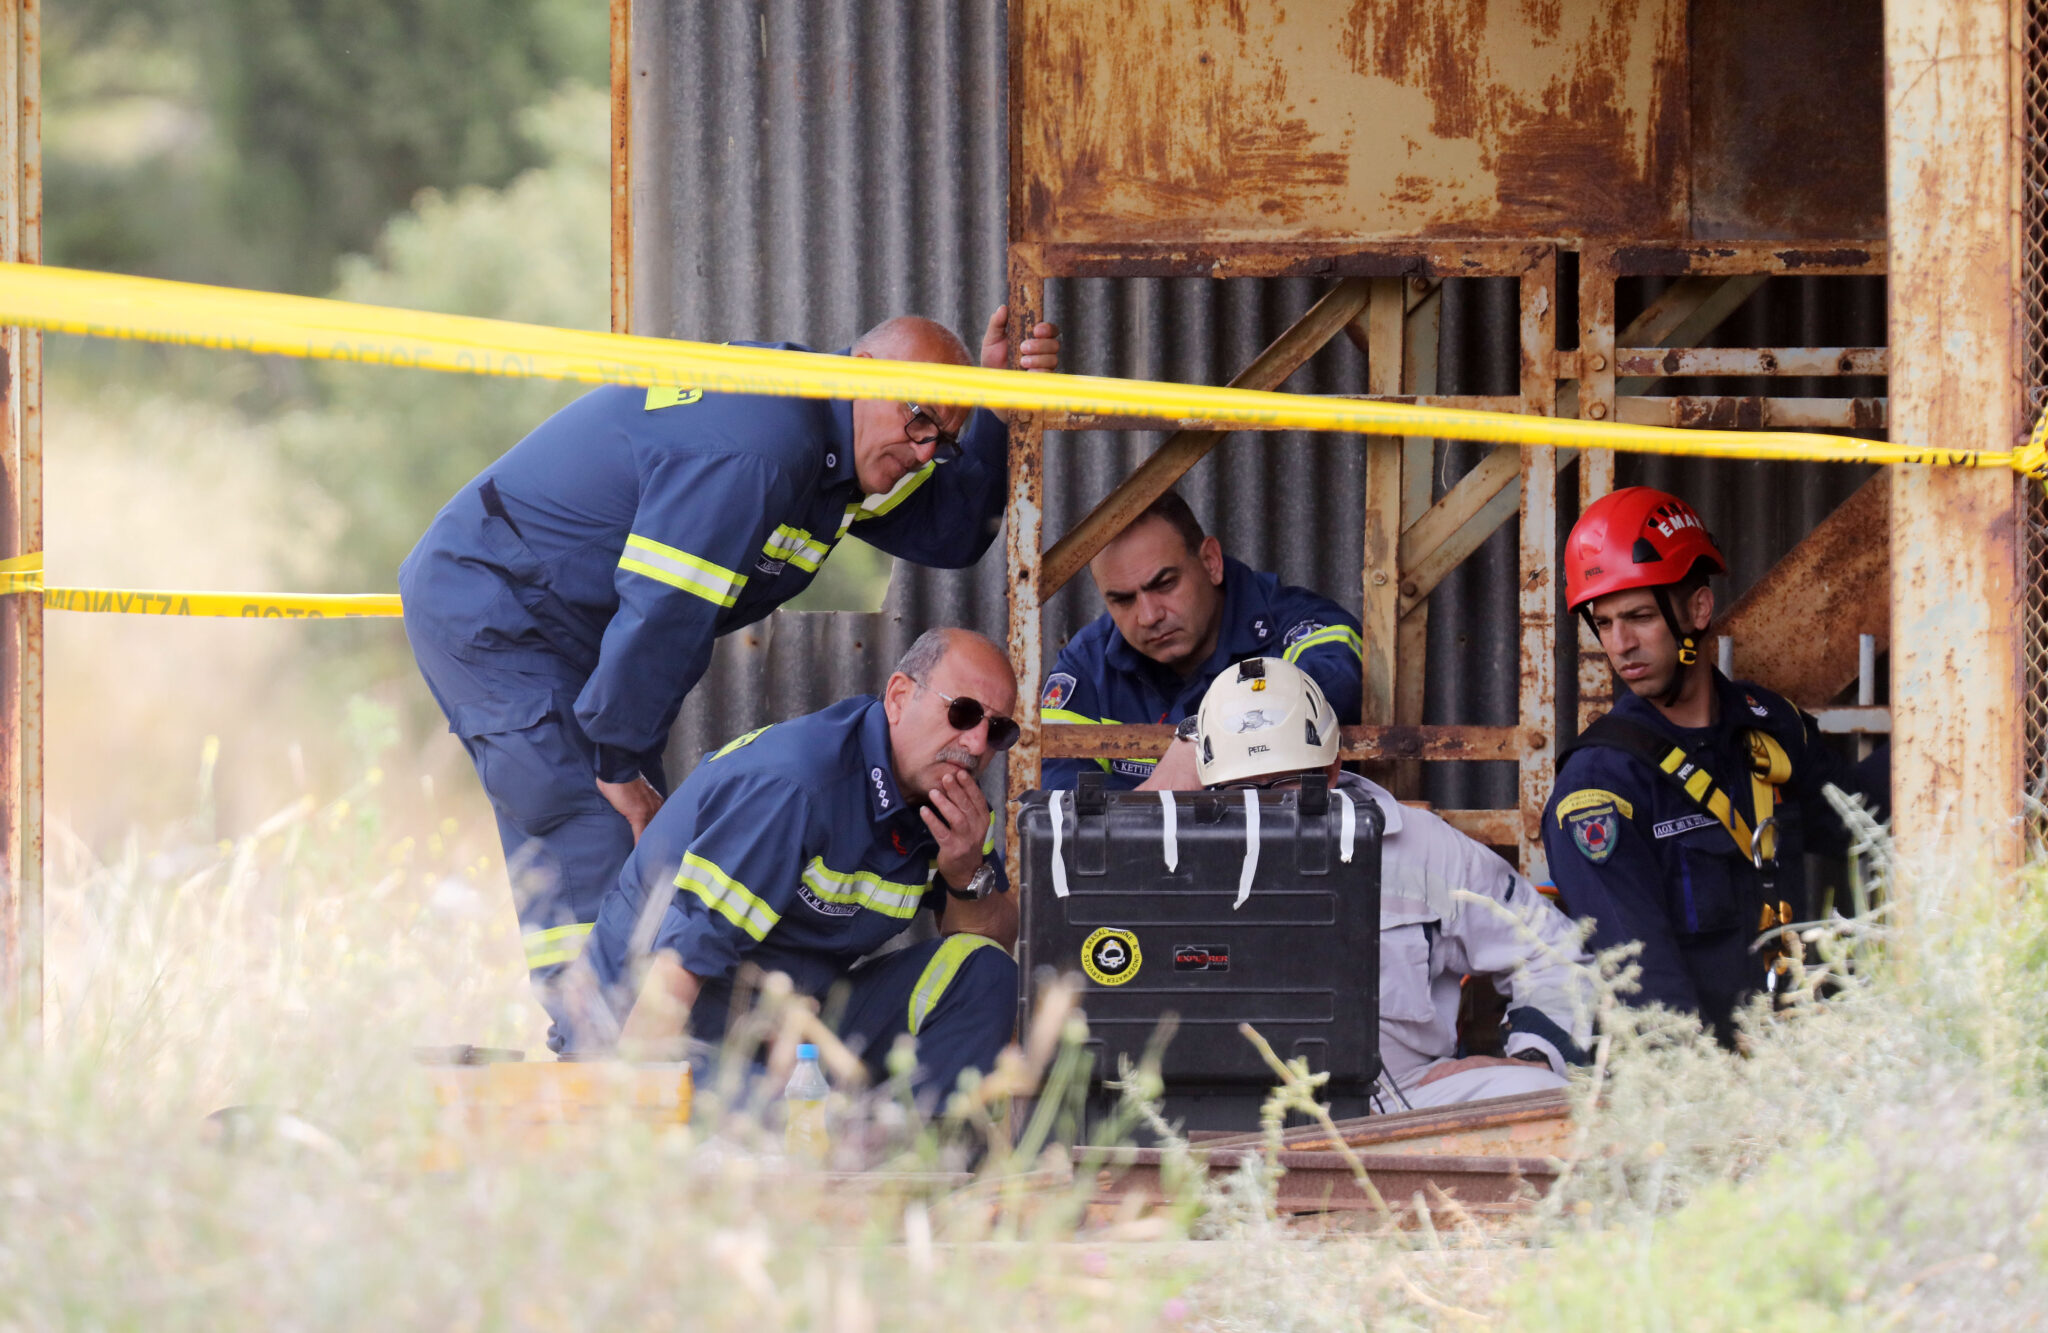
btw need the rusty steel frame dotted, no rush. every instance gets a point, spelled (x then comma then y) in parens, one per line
(1410, 544)
(622, 165)
(21, 531)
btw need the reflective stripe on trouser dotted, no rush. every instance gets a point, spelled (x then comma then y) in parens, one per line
(969, 1015)
(555, 945)
(939, 973)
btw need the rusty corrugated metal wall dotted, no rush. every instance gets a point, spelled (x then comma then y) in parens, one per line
(804, 168)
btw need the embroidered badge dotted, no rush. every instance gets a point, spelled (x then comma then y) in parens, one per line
(820, 906)
(1300, 632)
(1755, 707)
(1595, 833)
(1058, 687)
(1592, 799)
(1259, 628)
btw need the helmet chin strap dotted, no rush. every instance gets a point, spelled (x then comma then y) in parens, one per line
(1688, 648)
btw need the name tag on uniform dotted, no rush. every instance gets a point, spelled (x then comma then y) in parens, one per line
(1671, 828)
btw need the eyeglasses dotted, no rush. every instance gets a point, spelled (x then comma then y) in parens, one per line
(1285, 782)
(924, 428)
(965, 714)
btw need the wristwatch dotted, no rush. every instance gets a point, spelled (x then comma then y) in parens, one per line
(979, 885)
(1189, 728)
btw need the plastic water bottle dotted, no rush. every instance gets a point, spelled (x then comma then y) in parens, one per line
(805, 1136)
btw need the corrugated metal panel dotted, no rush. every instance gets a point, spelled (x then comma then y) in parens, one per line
(805, 168)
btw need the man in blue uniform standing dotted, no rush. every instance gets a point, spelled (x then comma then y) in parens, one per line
(1180, 611)
(564, 602)
(1681, 818)
(807, 845)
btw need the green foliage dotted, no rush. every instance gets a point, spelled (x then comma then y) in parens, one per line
(254, 142)
(392, 445)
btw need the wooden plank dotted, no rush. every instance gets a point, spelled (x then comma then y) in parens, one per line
(1182, 450)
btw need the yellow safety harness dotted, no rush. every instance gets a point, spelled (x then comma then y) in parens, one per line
(1770, 768)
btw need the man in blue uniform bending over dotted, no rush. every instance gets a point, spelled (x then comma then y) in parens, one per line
(1180, 611)
(1681, 818)
(807, 845)
(564, 602)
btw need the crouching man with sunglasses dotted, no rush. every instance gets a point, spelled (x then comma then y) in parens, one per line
(804, 847)
(1264, 723)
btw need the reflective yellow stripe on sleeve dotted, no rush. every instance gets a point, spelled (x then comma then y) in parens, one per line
(797, 547)
(877, 505)
(558, 944)
(1343, 634)
(680, 569)
(864, 888)
(988, 844)
(939, 973)
(726, 896)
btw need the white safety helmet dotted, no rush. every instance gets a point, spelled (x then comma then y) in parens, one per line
(1261, 718)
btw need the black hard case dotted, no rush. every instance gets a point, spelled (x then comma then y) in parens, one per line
(1302, 953)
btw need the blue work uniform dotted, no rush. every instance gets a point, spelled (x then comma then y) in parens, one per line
(1630, 848)
(1099, 677)
(564, 602)
(793, 849)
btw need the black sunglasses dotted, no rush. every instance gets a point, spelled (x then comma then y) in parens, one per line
(965, 714)
(924, 428)
(1281, 783)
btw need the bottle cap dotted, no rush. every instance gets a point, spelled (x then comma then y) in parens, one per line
(806, 1051)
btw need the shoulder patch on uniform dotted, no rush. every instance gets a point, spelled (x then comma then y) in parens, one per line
(660, 398)
(1302, 631)
(1595, 833)
(1059, 687)
(1592, 800)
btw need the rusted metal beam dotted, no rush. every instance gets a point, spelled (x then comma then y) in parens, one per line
(622, 165)
(1093, 421)
(1484, 498)
(1419, 337)
(1952, 179)
(1657, 362)
(21, 649)
(1181, 451)
(1539, 590)
(1732, 258)
(1597, 343)
(1381, 575)
(1491, 828)
(1700, 412)
(1023, 529)
(1796, 628)
(1291, 259)
(1073, 740)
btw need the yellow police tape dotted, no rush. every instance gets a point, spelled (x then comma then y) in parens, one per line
(113, 306)
(24, 573)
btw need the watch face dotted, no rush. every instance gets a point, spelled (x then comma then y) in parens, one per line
(1189, 727)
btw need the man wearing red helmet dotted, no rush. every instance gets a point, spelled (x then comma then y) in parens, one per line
(1681, 818)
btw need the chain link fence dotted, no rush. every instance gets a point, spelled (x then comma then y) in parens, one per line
(2034, 259)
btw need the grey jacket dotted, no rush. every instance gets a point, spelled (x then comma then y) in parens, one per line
(1430, 939)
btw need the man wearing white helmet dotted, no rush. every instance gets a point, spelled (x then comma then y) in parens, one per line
(1265, 724)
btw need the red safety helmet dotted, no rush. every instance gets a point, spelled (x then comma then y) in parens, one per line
(1637, 537)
